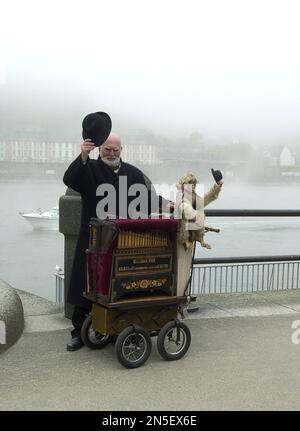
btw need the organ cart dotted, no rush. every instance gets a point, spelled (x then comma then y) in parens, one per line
(134, 282)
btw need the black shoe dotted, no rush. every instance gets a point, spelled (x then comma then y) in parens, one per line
(75, 344)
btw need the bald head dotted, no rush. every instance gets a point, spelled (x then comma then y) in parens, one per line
(113, 139)
(110, 150)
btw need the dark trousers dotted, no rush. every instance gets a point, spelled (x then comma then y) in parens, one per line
(78, 317)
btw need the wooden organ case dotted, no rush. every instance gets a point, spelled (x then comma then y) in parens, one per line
(131, 258)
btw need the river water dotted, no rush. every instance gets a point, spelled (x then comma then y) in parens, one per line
(28, 257)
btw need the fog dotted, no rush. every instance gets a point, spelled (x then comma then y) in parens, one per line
(226, 69)
(209, 83)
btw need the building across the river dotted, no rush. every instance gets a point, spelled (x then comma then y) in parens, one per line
(65, 152)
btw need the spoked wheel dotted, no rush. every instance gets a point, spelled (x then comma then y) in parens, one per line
(173, 340)
(133, 346)
(92, 338)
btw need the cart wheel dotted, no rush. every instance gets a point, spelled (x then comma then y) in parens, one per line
(92, 338)
(133, 346)
(173, 340)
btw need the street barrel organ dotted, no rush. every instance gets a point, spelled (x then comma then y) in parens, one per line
(129, 258)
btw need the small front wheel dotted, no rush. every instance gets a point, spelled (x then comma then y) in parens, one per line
(173, 340)
(133, 346)
(92, 338)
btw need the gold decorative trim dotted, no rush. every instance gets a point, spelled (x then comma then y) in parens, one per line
(144, 284)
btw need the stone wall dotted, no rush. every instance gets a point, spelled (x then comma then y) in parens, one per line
(11, 316)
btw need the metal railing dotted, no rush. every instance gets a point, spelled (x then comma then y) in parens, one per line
(235, 274)
(59, 285)
(247, 277)
(250, 273)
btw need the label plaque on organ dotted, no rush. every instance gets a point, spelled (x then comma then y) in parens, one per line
(143, 264)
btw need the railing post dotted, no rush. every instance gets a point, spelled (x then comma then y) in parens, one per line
(69, 224)
(59, 285)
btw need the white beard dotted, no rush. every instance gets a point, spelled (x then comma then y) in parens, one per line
(111, 163)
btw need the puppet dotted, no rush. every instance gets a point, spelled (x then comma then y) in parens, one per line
(191, 208)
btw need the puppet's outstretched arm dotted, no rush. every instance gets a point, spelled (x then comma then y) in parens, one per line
(213, 193)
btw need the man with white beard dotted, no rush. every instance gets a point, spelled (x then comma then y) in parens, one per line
(85, 175)
(110, 151)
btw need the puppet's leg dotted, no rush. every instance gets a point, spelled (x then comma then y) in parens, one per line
(188, 245)
(200, 238)
(205, 245)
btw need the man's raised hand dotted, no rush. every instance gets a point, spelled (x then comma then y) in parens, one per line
(86, 148)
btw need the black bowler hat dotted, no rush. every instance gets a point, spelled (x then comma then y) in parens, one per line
(97, 127)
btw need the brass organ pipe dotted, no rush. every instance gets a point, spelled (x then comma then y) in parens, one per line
(131, 239)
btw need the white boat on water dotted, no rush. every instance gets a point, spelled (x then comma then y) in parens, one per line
(43, 219)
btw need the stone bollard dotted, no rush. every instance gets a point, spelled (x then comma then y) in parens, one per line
(11, 316)
(69, 225)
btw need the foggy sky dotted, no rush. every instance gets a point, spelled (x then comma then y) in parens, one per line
(224, 68)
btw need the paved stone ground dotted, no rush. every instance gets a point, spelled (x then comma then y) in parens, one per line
(241, 360)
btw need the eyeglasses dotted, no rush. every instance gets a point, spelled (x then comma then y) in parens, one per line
(111, 150)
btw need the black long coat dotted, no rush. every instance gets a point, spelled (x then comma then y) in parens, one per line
(85, 179)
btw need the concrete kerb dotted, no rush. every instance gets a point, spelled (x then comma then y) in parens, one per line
(11, 316)
(42, 315)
